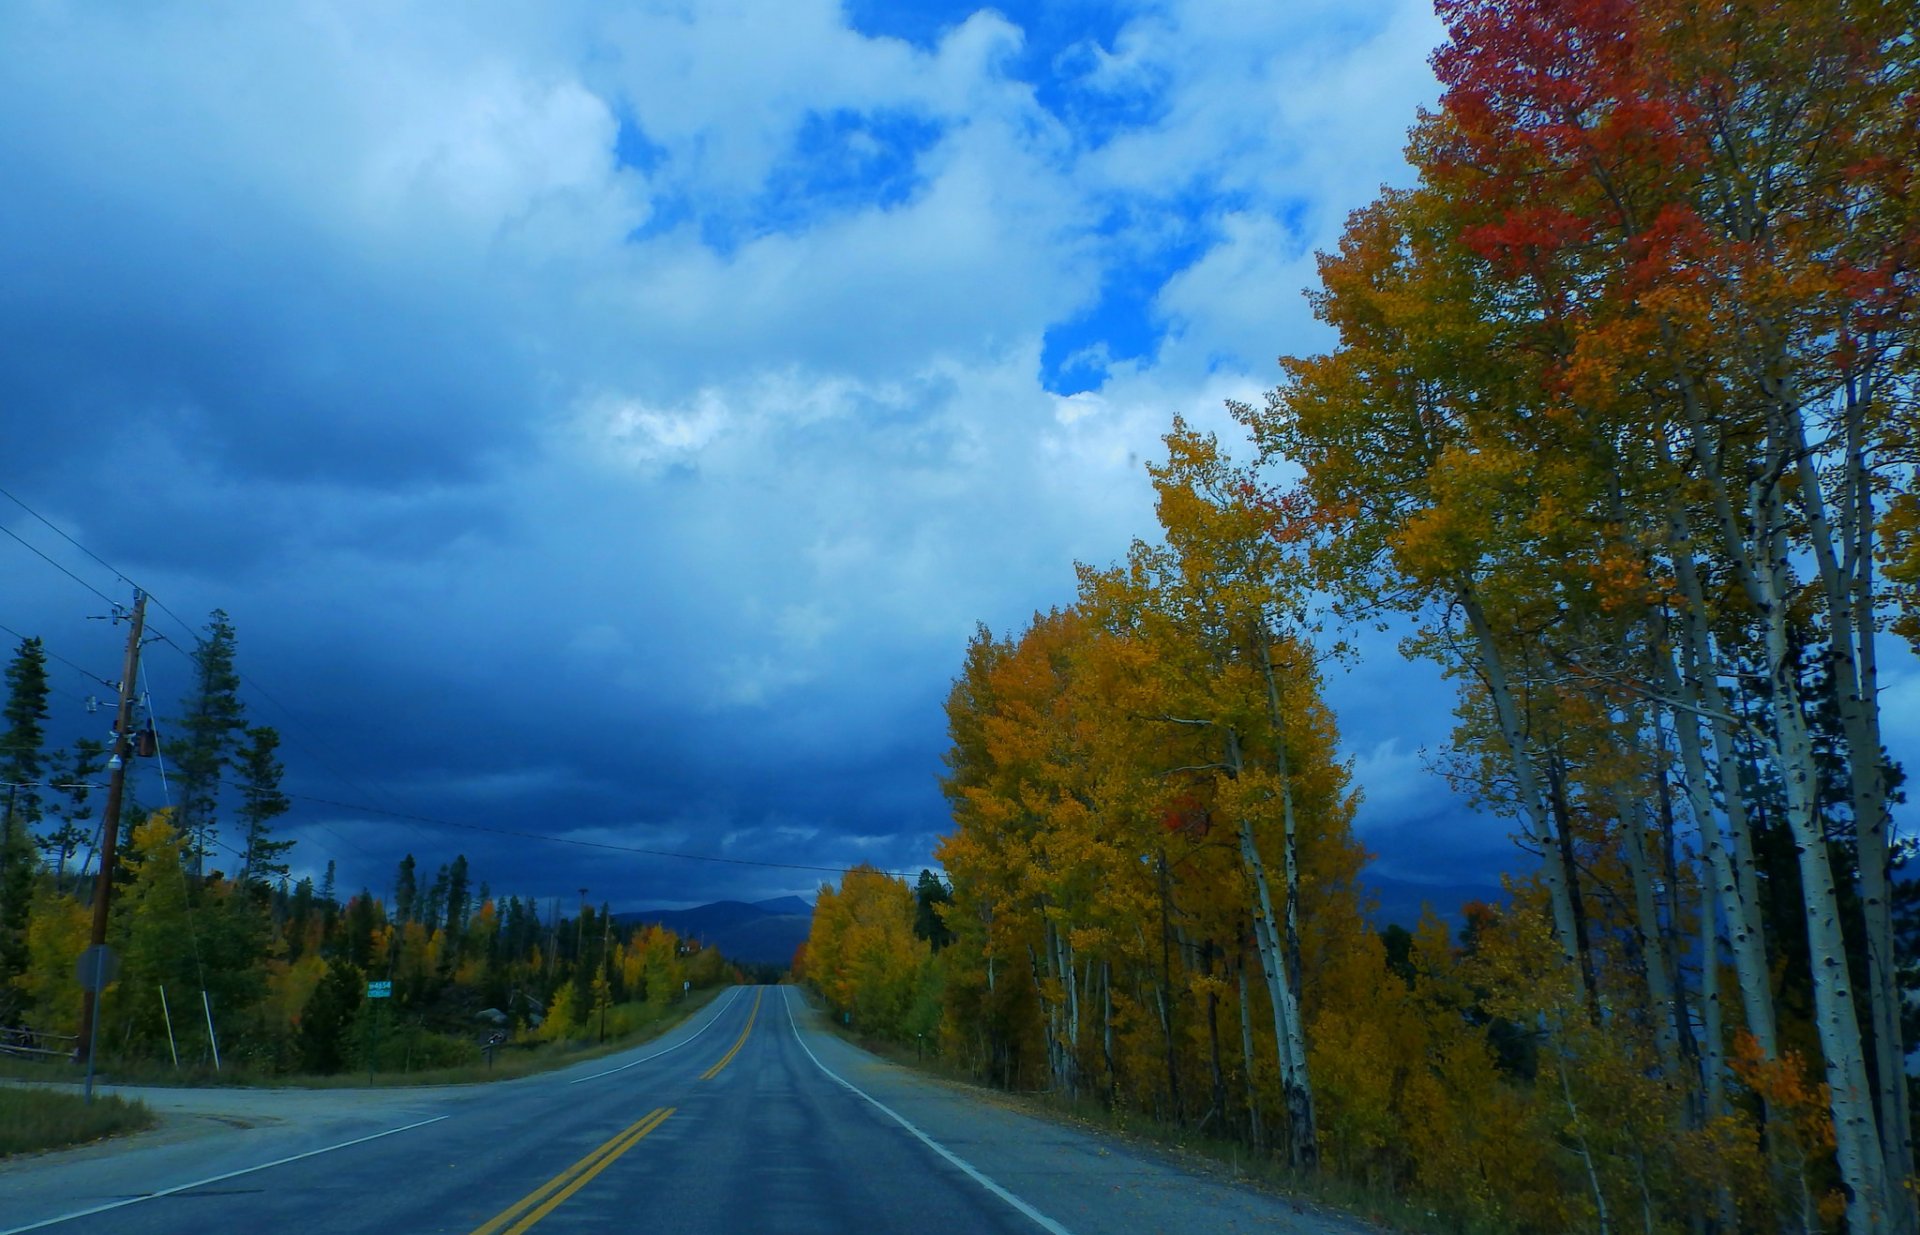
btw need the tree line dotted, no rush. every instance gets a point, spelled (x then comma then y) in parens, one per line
(1619, 423)
(226, 958)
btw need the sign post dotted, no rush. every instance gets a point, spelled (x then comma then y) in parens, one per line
(382, 989)
(95, 968)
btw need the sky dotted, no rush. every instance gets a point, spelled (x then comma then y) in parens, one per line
(609, 422)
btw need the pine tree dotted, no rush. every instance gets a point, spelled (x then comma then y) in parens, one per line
(261, 802)
(73, 773)
(207, 735)
(22, 766)
(406, 890)
(457, 897)
(929, 894)
(329, 1013)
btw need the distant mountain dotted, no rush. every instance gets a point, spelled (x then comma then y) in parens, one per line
(764, 933)
(1402, 901)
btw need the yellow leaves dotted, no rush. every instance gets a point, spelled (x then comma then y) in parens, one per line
(862, 953)
(57, 932)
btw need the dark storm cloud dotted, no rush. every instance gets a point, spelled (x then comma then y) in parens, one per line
(612, 427)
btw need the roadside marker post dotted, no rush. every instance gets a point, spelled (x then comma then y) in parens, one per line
(381, 989)
(95, 968)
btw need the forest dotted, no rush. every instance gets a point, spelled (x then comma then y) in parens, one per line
(1617, 427)
(227, 964)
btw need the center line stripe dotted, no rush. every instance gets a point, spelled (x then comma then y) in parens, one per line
(731, 999)
(727, 1058)
(543, 1200)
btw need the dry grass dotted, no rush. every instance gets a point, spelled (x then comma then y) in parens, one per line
(34, 1119)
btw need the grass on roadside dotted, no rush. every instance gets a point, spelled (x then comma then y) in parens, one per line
(37, 1119)
(646, 1021)
(1345, 1198)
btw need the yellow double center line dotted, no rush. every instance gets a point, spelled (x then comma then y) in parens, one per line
(522, 1214)
(727, 1058)
(530, 1209)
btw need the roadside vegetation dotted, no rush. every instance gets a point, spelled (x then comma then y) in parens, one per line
(232, 969)
(33, 1119)
(1618, 427)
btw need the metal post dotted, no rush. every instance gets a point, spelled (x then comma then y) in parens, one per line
(99, 980)
(212, 1038)
(169, 1019)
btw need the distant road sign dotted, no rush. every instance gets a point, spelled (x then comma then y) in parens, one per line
(97, 966)
(380, 990)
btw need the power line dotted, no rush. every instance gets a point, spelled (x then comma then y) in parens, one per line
(117, 572)
(405, 817)
(53, 655)
(588, 844)
(56, 565)
(62, 535)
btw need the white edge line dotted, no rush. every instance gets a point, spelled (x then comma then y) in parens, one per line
(1041, 1220)
(730, 1001)
(214, 1179)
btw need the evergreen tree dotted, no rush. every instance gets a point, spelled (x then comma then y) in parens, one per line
(325, 1020)
(22, 766)
(22, 762)
(436, 900)
(457, 899)
(406, 890)
(362, 921)
(73, 773)
(207, 736)
(299, 916)
(261, 802)
(929, 894)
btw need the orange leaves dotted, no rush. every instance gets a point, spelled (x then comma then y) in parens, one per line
(1792, 1095)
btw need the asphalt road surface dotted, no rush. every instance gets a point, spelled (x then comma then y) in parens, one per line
(749, 1118)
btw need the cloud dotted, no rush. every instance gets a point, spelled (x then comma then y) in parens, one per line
(613, 422)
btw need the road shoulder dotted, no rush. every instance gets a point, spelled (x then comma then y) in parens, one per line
(1088, 1180)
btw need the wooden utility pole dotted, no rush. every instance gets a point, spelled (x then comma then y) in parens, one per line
(110, 825)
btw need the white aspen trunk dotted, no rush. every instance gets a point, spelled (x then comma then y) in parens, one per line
(1746, 939)
(1042, 978)
(1578, 1127)
(1713, 1062)
(1290, 850)
(1666, 1027)
(1106, 1024)
(1737, 884)
(1254, 1128)
(1858, 1146)
(1290, 1044)
(1853, 665)
(1553, 867)
(1070, 1049)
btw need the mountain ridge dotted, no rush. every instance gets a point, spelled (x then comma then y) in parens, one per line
(758, 932)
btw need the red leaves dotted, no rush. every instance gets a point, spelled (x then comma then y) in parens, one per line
(1514, 243)
(1185, 816)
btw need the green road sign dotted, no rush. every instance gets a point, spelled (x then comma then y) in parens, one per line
(380, 990)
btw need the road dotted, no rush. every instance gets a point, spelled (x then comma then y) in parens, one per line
(749, 1118)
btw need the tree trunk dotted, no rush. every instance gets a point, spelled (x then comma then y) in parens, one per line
(1255, 1131)
(1858, 1145)
(1559, 880)
(1290, 1043)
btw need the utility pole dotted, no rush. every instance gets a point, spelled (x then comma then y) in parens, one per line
(110, 825)
(580, 934)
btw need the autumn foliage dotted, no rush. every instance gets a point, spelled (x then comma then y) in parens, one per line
(1618, 426)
